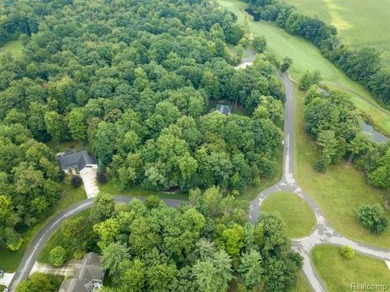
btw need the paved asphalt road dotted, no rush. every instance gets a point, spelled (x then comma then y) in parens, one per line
(323, 233)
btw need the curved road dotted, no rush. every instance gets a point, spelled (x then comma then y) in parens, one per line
(323, 233)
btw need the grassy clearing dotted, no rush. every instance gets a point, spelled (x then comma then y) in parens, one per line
(338, 273)
(69, 145)
(137, 192)
(307, 57)
(301, 285)
(360, 22)
(299, 218)
(9, 260)
(56, 240)
(339, 192)
(2, 287)
(14, 48)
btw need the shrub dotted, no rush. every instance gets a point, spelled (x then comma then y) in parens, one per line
(371, 217)
(101, 177)
(308, 79)
(347, 252)
(57, 256)
(76, 181)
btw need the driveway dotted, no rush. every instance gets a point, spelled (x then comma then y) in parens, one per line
(89, 179)
(66, 270)
(6, 280)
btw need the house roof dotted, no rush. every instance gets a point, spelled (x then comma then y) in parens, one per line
(89, 268)
(72, 159)
(72, 285)
(224, 109)
(86, 270)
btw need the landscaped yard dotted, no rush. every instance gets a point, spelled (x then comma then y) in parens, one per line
(56, 240)
(296, 213)
(302, 285)
(14, 48)
(307, 57)
(339, 192)
(338, 272)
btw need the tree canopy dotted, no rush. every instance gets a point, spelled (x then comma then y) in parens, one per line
(201, 246)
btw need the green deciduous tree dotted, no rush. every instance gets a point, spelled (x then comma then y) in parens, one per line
(371, 216)
(112, 256)
(37, 283)
(251, 268)
(57, 256)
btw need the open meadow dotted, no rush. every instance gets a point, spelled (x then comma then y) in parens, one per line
(359, 22)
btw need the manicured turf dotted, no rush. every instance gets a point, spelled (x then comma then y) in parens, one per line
(56, 240)
(307, 57)
(302, 285)
(360, 22)
(296, 213)
(338, 273)
(339, 192)
(14, 47)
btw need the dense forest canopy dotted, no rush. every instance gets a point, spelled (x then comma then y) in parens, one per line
(134, 79)
(208, 245)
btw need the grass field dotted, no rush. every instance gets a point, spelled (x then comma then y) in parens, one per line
(14, 48)
(301, 285)
(296, 213)
(9, 260)
(339, 192)
(56, 240)
(338, 273)
(307, 57)
(359, 22)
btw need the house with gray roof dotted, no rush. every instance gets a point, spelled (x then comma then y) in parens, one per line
(224, 109)
(76, 160)
(87, 276)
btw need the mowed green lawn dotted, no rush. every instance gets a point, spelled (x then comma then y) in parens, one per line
(296, 213)
(359, 22)
(339, 192)
(301, 285)
(307, 57)
(57, 240)
(338, 272)
(14, 48)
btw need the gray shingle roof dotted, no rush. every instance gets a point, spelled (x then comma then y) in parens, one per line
(224, 109)
(86, 272)
(89, 268)
(72, 159)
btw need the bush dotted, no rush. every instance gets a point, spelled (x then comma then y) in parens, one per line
(371, 217)
(321, 166)
(347, 252)
(101, 177)
(308, 79)
(76, 181)
(259, 43)
(57, 256)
